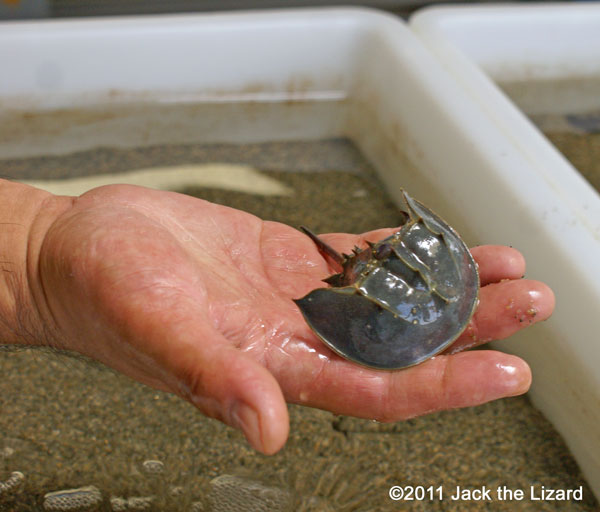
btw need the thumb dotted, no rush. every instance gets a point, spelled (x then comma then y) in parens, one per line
(229, 385)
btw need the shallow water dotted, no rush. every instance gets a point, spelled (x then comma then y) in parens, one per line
(567, 111)
(577, 137)
(66, 423)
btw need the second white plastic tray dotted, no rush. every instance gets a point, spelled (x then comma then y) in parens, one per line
(557, 221)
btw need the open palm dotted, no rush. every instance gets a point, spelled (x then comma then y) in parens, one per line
(195, 299)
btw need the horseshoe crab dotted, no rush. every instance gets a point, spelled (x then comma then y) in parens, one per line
(401, 300)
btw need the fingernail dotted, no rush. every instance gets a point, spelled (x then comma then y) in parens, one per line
(514, 377)
(246, 419)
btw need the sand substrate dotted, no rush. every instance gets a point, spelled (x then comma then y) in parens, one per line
(66, 423)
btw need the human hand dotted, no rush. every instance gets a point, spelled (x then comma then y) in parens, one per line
(194, 298)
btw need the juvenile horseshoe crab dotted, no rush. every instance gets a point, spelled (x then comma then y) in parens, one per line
(401, 300)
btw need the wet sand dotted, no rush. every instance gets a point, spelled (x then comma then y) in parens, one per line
(583, 151)
(577, 137)
(66, 423)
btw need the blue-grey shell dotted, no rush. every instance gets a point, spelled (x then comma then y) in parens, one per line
(401, 300)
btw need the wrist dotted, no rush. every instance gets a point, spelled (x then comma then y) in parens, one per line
(26, 214)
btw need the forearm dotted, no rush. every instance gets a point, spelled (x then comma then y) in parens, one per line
(26, 213)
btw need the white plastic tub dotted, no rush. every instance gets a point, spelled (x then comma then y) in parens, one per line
(360, 74)
(549, 57)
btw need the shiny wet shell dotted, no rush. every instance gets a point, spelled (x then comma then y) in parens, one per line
(400, 301)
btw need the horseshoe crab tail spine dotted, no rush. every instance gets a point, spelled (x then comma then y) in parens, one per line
(325, 249)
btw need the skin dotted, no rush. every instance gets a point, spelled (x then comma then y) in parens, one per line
(194, 299)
